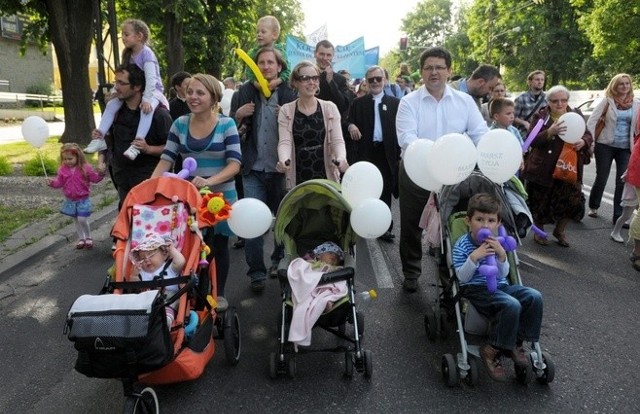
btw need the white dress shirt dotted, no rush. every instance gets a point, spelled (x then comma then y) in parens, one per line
(377, 125)
(421, 116)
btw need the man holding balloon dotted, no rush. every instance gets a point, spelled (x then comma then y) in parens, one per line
(429, 113)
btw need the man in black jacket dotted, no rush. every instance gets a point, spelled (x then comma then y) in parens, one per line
(257, 116)
(372, 127)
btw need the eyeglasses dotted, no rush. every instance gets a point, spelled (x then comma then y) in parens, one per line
(555, 101)
(377, 79)
(121, 83)
(138, 257)
(307, 78)
(434, 68)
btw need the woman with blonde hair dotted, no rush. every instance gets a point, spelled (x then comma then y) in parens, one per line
(310, 135)
(619, 110)
(212, 140)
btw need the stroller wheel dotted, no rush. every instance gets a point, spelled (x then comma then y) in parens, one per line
(291, 366)
(430, 324)
(473, 374)
(231, 335)
(144, 402)
(348, 364)
(273, 365)
(549, 372)
(368, 364)
(524, 375)
(449, 370)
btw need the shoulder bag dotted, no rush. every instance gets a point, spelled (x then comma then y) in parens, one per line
(601, 121)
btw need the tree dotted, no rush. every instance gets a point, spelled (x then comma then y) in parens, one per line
(65, 24)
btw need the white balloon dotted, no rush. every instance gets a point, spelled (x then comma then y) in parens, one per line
(35, 131)
(499, 155)
(452, 158)
(250, 218)
(415, 164)
(575, 127)
(362, 180)
(371, 218)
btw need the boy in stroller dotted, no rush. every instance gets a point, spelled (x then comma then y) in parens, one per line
(516, 310)
(158, 258)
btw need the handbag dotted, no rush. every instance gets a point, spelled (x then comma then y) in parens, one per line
(601, 122)
(567, 165)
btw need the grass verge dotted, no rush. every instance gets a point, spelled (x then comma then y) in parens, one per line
(11, 219)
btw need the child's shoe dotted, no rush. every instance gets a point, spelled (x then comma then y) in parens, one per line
(616, 237)
(132, 153)
(519, 356)
(491, 358)
(96, 145)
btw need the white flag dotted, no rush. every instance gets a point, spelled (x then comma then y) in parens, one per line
(318, 35)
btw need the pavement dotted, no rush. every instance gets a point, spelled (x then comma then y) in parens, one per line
(37, 239)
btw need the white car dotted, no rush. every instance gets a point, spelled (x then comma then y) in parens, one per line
(588, 106)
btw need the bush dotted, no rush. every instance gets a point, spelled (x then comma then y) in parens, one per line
(38, 89)
(5, 166)
(33, 167)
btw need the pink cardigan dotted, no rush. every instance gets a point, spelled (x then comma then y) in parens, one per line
(334, 148)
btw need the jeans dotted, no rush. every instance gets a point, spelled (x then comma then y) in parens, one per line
(514, 310)
(605, 155)
(269, 188)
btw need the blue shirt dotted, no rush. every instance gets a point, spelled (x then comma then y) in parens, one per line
(467, 271)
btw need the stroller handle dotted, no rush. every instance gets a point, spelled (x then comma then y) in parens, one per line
(345, 273)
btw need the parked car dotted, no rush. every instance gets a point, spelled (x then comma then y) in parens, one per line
(588, 106)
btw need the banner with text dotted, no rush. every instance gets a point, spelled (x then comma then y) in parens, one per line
(350, 57)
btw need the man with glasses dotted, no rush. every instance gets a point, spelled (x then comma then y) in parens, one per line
(480, 83)
(372, 127)
(334, 87)
(529, 102)
(127, 173)
(260, 178)
(429, 112)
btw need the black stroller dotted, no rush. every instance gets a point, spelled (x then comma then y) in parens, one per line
(312, 213)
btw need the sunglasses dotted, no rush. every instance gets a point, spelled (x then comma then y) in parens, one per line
(377, 79)
(137, 258)
(307, 78)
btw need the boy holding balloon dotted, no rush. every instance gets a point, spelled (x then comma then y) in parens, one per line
(515, 310)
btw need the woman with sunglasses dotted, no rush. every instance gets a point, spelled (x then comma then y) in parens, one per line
(310, 135)
(553, 200)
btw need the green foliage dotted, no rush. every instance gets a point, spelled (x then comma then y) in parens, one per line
(38, 89)
(5, 166)
(33, 167)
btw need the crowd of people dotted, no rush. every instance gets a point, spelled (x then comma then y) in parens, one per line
(317, 121)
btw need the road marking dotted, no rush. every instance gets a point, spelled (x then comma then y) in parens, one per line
(380, 269)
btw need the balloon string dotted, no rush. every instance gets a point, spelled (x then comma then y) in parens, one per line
(42, 162)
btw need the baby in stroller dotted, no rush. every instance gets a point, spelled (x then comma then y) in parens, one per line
(158, 258)
(516, 310)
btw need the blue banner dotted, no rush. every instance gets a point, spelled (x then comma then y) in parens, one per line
(350, 57)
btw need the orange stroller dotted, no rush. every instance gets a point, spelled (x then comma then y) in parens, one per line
(123, 333)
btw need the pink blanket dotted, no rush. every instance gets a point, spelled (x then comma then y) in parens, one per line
(309, 300)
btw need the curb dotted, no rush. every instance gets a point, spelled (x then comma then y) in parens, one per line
(22, 256)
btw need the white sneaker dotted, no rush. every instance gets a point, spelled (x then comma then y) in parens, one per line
(616, 237)
(132, 152)
(96, 145)
(223, 305)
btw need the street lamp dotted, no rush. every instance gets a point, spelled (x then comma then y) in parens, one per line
(492, 37)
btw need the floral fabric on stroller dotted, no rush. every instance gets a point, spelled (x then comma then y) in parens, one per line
(312, 213)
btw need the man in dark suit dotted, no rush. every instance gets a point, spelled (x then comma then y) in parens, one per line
(372, 127)
(334, 87)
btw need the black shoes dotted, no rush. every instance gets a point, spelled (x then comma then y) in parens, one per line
(410, 285)
(238, 244)
(388, 237)
(258, 285)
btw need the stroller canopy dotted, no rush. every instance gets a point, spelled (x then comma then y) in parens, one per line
(314, 211)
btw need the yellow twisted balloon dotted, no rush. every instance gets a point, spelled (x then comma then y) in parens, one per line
(264, 85)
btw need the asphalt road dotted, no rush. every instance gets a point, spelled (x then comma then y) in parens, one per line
(590, 329)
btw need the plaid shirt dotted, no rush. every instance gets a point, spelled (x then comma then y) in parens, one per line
(525, 104)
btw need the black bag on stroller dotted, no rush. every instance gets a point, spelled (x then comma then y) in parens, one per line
(119, 336)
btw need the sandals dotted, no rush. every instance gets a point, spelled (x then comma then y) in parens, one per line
(562, 240)
(540, 240)
(88, 244)
(635, 259)
(81, 244)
